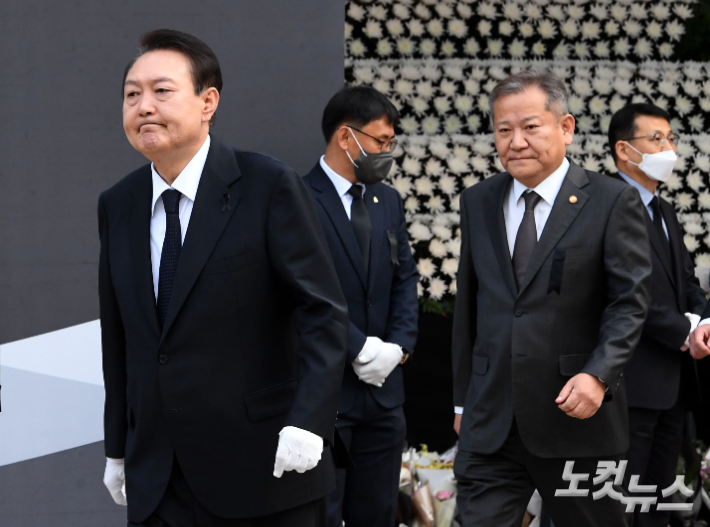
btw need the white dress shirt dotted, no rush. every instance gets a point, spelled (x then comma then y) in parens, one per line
(186, 183)
(646, 197)
(514, 208)
(342, 185)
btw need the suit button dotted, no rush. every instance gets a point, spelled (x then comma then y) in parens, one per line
(519, 313)
(163, 359)
(369, 303)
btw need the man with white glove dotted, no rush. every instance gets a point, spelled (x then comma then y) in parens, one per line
(364, 225)
(660, 378)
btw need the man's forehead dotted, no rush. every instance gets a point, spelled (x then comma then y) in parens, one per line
(652, 123)
(160, 64)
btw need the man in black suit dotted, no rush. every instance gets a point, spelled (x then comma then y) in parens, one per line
(661, 376)
(223, 324)
(553, 288)
(364, 225)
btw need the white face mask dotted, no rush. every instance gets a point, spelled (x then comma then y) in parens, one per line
(658, 166)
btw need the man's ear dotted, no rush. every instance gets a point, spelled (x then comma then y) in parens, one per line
(567, 125)
(342, 137)
(210, 98)
(621, 149)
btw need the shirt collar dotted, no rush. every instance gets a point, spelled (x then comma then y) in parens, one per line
(341, 184)
(187, 181)
(548, 188)
(646, 195)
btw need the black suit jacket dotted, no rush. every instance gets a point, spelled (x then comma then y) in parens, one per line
(382, 302)
(254, 339)
(580, 308)
(653, 375)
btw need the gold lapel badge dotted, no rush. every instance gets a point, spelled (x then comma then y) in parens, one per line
(573, 199)
(374, 198)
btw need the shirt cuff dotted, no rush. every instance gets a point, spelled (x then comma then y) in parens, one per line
(704, 322)
(458, 410)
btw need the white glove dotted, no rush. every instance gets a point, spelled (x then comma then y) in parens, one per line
(376, 361)
(694, 320)
(115, 480)
(298, 450)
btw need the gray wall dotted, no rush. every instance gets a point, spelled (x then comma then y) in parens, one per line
(62, 143)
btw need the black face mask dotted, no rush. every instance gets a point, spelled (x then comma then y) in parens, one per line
(371, 168)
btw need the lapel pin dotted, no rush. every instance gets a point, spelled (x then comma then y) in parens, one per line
(573, 199)
(374, 198)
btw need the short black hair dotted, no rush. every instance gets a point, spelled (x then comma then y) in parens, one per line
(623, 122)
(356, 106)
(204, 66)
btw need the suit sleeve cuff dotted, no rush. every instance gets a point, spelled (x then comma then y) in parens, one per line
(458, 410)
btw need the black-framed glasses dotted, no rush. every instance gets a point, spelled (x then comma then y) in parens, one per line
(659, 138)
(386, 146)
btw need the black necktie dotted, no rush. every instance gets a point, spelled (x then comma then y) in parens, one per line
(171, 252)
(526, 238)
(658, 223)
(360, 220)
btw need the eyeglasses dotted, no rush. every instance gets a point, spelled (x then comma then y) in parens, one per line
(385, 146)
(660, 138)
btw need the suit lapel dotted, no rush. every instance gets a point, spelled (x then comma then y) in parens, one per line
(676, 266)
(333, 205)
(139, 235)
(378, 232)
(562, 215)
(217, 197)
(499, 237)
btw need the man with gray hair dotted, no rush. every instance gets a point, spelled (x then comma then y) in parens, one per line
(553, 289)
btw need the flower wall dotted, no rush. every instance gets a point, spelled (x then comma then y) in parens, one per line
(438, 60)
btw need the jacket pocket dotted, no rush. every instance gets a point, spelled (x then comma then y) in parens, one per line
(270, 402)
(571, 365)
(230, 263)
(480, 365)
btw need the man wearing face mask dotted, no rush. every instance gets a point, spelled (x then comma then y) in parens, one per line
(364, 225)
(661, 376)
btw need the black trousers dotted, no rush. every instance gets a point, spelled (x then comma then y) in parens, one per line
(366, 496)
(180, 508)
(494, 489)
(656, 438)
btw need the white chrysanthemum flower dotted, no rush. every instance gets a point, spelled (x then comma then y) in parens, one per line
(355, 11)
(575, 12)
(643, 48)
(450, 267)
(684, 149)
(582, 87)
(409, 125)
(662, 102)
(444, 10)
(410, 72)
(384, 47)
(364, 74)
(484, 28)
(437, 288)
(448, 48)
(471, 47)
(569, 29)
(618, 12)
(454, 246)
(674, 183)
(645, 87)
(435, 27)
(483, 147)
(435, 204)
(622, 86)
(430, 125)
(471, 86)
(590, 30)
(538, 49)
(497, 72)
(422, 12)
(675, 30)
(420, 287)
(680, 164)
(604, 122)
(575, 104)
(483, 105)
(702, 260)
(479, 74)
(611, 28)
(609, 165)
(373, 29)
(683, 11)
(378, 12)
(464, 11)
(555, 11)
(601, 49)
(403, 185)
(404, 87)
(704, 200)
(469, 181)
(517, 49)
(457, 165)
(703, 144)
(474, 122)
(463, 103)
(597, 105)
(447, 185)
(420, 106)
(426, 267)
(448, 88)
(616, 103)
(693, 228)
(638, 11)
(479, 164)
(654, 30)
(452, 287)
(622, 46)
(511, 11)
(395, 27)
(702, 163)
(581, 50)
(495, 47)
(424, 186)
(405, 46)
(462, 152)
(526, 29)
(418, 231)
(598, 11)
(561, 51)
(381, 86)
(694, 180)
(506, 28)
(624, 71)
(425, 89)
(416, 28)
(433, 167)
(452, 124)
(427, 47)
(411, 205)
(692, 88)
(591, 164)
(416, 151)
(683, 105)
(667, 88)
(660, 11)
(546, 29)
(632, 28)
(357, 48)
(532, 12)
(585, 124)
(400, 11)
(696, 122)
(683, 200)
(442, 104)
(458, 28)
(348, 31)
(439, 149)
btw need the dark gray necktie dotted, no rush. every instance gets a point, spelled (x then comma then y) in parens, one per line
(658, 223)
(171, 252)
(526, 238)
(360, 220)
